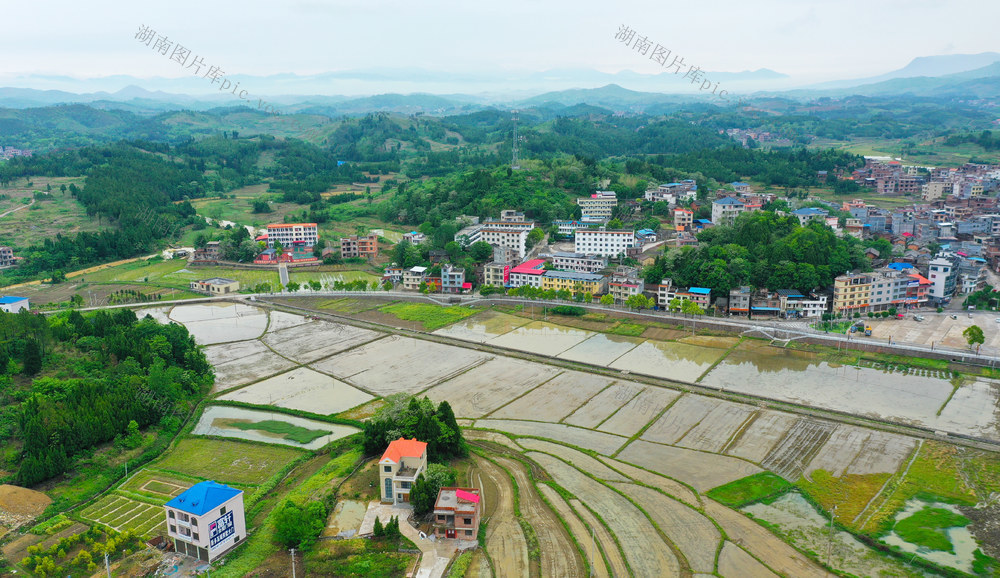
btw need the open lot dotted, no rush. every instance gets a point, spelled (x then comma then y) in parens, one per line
(397, 364)
(302, 389)
(261, 426)
(226, 460)
(484, 388)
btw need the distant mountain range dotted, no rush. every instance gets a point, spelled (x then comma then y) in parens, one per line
(974, 76)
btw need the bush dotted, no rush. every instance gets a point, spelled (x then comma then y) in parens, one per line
(568, 310)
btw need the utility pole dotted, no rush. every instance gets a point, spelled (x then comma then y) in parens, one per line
(293, 562)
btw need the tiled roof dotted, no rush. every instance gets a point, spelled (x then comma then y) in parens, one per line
(403, 448)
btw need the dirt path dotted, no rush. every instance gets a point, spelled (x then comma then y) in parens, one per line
(559, 555)
(87, 270)
(21, 208)
(505, 541)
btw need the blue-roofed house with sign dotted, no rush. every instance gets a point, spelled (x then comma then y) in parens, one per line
(206, 520)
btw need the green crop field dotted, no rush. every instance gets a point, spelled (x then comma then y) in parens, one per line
(227, 460)
(431, 316)
(125, 514)
(749, 489)
(288, 431)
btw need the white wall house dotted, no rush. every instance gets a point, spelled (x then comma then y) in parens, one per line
(206, 520)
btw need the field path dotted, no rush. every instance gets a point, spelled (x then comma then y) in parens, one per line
(22, 207)
(505, 541)
(559, 555)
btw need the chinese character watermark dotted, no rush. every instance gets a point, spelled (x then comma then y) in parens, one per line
(184, 57)
(670, 61)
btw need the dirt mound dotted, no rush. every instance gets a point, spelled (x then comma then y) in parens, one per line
(22, 501)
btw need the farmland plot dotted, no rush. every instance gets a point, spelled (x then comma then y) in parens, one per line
(671, 487)
(481, 390)
(124, 514)
(577, 528)
(635, 414)
(396, 364)
(559, 555)
(605, 403)
(686, 413)
(490, 436)
(226, 461)
(483, 327)
(790, 456)
(647, 553)
(694, 535)
(735, 563)
(700, 470)
(247, 369)
(317, 339)
(554, 399)
(577, 459)
(223, 421)
(839, 451)
(279, 320)
(505, 541)
(219, 354)
(761, 435)
(302, 389)
(604, 538)
(669, 360)
(718, 427)
(767, 547)
(599, 442)
(541, 338)
(601, 349)
(883, 453)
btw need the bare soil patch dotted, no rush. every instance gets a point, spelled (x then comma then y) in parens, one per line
(22, 501)
(554, 399)
(734, 561)
(505, 541)
(580, 531)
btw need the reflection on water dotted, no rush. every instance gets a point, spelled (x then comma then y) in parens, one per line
(542, 337)
(961, 538)
(670, 360)
(483, 327)
(601, 349)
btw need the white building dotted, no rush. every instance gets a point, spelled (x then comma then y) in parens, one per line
(597, 207)
(943, 275)
(607, 243)
(516, 239)
(13, 304)
(725, 210)
(206, 520)
(401, 463)
(413, 277)
(579, 262)
(289, 234)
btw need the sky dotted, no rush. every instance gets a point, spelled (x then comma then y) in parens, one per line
(806, 39)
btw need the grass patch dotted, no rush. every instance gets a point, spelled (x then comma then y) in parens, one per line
(849, 493)
(750, 489)
(349, 305)
(629, 329)
(461, 565)
(227, 460)
(431, 316)
(286, 430)
(358, 557)
(926, 528)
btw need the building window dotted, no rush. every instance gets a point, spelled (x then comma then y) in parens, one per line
(467, 520)
(195, 536)
(170, 513)
(468, 532)
(173, 529)
(237, 539)
(194, 521)
(387, 469)
(222, 511)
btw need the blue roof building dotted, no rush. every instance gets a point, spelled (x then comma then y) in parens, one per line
(206, 520)
(13, 304)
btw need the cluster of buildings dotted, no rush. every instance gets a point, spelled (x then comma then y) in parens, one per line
(11, 152)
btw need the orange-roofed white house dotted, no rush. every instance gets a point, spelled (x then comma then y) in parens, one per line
(399, 467)
(456, 513)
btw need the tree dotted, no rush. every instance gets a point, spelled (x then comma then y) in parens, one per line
(133, 438)
(974, 335)
(32, 357)
(534, 236)
(425, 489)
(692, 308)
(607, 299)
(378, 531)
(615, 224)
(298, 527)
(481, 251)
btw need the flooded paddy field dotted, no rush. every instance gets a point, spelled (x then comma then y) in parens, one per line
(700, 470)
(601, 349)
(224, 421)
(302, 389)
(317, 339)
(639, 410)
(542, 338)
(483, 327)
(486, 387)
(556, 398)
(604, 404)
(221, 322)
(669, 360)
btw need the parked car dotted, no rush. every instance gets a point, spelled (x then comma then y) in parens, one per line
(954, 316)
(918, 317)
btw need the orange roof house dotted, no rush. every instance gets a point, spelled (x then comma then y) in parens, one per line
(401, 463)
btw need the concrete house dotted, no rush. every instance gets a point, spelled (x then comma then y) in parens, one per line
(456, 513)
(206, 520)
(13, 304)
(399, 467)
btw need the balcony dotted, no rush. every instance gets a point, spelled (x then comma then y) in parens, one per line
(408, 473)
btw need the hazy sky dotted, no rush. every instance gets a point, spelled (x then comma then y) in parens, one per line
(814, 40)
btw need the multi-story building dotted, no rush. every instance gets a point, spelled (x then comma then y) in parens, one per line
(414, 237)
(527, 273)
(936, 190)
(852, 292)
(568, 228)
(725, 211)
(216, 286)
(401, 463)
(210, 252)
(806, 215)
(579, 262)
(597, 207)
(625, 282)
(496, 274)
(741, 187)
(600, 242)
(795, 304)
(453, 279)
(206, 520)
(6, 256)
(573, 281)
(456, 513)
(289, 234)
(511, 216)
(666, 292)
(683, 219)
(413, 277)
(888, 289)
(943, 275)
(355, 246)
(516, 239)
